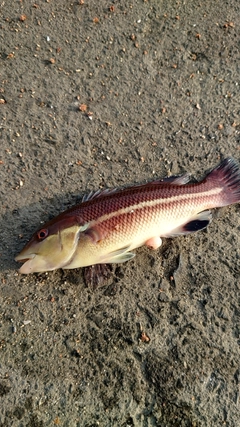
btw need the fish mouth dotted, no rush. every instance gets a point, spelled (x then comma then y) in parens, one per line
(27, 267)
(23, 258)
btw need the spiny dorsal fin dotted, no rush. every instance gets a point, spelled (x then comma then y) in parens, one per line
(171, 180)
(99, 193)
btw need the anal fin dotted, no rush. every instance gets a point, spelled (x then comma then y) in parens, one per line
(196, 223)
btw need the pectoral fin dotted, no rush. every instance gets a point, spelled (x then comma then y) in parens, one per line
(95, 233)
(118, 256)
(196, 223)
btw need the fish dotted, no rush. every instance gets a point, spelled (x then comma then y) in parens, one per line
(109, 224)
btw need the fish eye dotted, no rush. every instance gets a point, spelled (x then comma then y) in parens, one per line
(42, 234)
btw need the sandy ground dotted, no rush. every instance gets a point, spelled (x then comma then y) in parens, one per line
(99, 94)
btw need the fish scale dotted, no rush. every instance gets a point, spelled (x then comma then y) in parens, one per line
(109, 224)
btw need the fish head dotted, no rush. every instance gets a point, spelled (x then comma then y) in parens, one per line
(51, 247)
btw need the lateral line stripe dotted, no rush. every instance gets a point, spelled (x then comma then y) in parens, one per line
(153, 203)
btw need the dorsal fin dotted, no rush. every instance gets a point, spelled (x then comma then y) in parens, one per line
(170, 180)
(99, 193)
(175, 180)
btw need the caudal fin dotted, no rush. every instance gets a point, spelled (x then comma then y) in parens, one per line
(227, 177)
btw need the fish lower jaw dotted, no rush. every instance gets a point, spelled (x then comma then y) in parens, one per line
(27, 267)
(34, 265)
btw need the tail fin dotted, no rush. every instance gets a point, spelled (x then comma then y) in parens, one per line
(227, 176)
